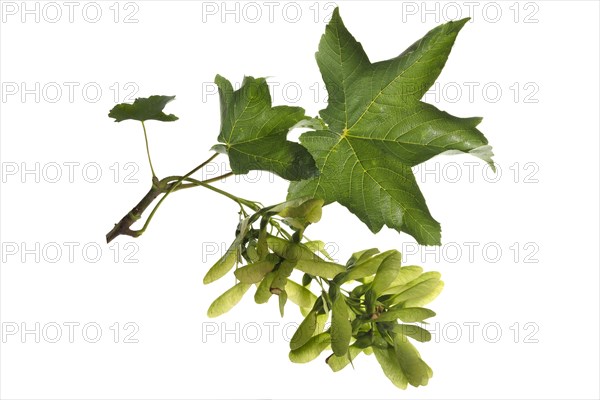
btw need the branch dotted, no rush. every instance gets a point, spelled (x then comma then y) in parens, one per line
(167, 186)
(123, 227)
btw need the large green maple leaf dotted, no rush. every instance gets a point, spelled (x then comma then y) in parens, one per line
(378, 129)
(254, 134)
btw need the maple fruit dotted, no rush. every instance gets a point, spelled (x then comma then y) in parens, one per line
(358, 153)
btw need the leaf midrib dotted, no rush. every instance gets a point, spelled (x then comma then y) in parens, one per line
(236, 121)
(404, 214)
(423, 53)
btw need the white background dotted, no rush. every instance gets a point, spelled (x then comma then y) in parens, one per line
(549, 287)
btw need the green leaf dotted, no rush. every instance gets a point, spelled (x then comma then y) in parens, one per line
(406, 275)
(424, 277)
(413, 331)
(360, 256)
(263, 292)
(282, 301)
(427, 298)
(253, 273)
(227, 300)
(277, 208)
(254, 133)
(252, 252)
(423, 290)
(387, 272)
(341, 329)
(359, 291)
(318, 246)
(370, 301)
(306, 279)
(289, 250)
(225, 263)
(143, 109)
(221, 267)
(311, 349)
(280, 278)
(309, 212)
(396, 288)
(322, 320)
(262, 249)
(413, 314)
(324, 269)
(367, 267)
(414, 368)
(379, 129)
(305, 331)
(391, 366)
(338, 363)
(300, 295)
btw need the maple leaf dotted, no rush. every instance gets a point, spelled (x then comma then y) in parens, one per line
(378, 129)
(143, 109)
(254, 134)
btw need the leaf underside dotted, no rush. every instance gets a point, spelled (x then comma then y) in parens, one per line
(378, 129)
(143, 109)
